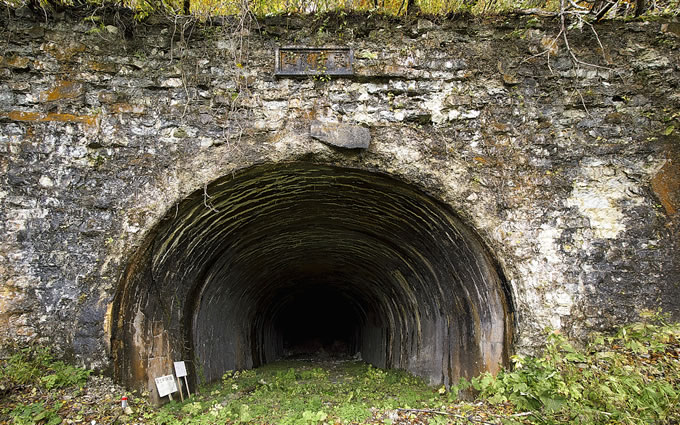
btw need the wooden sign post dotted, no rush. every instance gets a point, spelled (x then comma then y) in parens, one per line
(166, 386)
(181, 372)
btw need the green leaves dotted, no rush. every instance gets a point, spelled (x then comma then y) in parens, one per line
(35, 413)
(313, 417)
(64, 376)
(25, 366)
(35, 365)
(629, 377)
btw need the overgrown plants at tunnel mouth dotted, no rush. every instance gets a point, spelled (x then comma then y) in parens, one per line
(630, 377)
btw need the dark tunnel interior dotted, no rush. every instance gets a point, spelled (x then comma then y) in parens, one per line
(299, 259)
(315, 320)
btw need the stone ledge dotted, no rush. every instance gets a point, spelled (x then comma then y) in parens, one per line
(341, 135)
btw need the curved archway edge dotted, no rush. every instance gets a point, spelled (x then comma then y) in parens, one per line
(215, 281)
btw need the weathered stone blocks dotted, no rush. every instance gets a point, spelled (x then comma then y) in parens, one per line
(565, 174)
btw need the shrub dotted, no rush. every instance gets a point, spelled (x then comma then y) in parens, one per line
(630, 377)
(35, 413)
(37, 366)
(64, 375)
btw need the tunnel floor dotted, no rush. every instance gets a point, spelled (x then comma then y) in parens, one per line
(344, 390)
(298, 259)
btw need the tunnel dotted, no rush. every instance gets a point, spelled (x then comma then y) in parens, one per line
(300, 259)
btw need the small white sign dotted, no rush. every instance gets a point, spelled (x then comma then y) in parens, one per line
(166, 385)
(180, 369)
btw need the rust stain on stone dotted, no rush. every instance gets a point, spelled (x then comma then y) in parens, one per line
(666, 185)
(38, 117)
(671, 27)
(63, 52)
(394, 70)
(63, 90)
(550, 44)
(500, 127)
(22, 116)
(83, 119)
(17, 62)
(107, 67)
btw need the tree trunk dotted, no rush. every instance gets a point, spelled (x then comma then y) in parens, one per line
(412, 8)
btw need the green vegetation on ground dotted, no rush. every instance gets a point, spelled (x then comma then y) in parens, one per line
(631, 377)
(35, 369)
(628, 377)
(303, 392)
(36, 366)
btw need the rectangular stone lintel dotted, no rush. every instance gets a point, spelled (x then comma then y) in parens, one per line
(311, 61)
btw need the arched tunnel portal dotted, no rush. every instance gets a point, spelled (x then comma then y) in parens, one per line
(295, 258)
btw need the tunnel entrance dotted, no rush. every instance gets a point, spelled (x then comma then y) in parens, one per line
(302, 259)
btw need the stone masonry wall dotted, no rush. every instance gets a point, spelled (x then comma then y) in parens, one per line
(569, 173)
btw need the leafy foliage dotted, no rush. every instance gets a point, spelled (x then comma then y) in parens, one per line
(35, 413)
(37, 369)
(631, 377)
(24, 367)
(37, 366)
(64, 375)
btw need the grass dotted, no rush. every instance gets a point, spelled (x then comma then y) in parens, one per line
(303, 392)
(36, 366)
(631, 376)
(36, 370)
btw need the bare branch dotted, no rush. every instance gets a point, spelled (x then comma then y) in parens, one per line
(565, 37)
(535, 11)
(583, 102)
(206, 201)
(577, 7)
(597, 37)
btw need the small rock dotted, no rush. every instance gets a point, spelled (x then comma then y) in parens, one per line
(424, 24)
(671, 28)
(23, 12)
(172, 82)
(341, 135)
(108, 97)
(46, 182)
(509, 78)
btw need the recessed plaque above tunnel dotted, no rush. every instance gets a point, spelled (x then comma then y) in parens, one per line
(311, 61)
